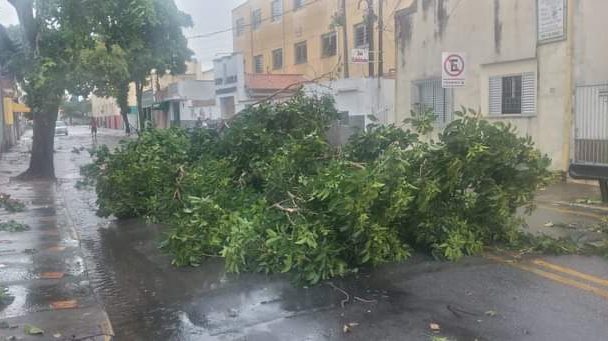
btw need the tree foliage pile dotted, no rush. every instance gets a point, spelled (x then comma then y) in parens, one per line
(269, 194)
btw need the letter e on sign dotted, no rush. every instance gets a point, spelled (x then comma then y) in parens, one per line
(453, 70)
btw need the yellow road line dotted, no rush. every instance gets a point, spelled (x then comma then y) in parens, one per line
(571, 272)
(556, 278)
(569, 211)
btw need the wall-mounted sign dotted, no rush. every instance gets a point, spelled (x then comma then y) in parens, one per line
(359, 56)
(552, 18)
(453, 70)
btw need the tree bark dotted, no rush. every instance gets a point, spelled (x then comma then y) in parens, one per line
(123, 103)
(139, 93)
(43, 146)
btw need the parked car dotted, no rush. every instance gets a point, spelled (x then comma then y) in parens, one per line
(61, 128)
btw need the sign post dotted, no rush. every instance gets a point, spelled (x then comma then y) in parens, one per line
(453, 70)
(551, 20)
(359, 56)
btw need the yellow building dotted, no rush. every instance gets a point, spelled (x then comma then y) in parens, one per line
(301, 36)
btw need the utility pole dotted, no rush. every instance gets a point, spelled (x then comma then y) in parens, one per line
(370, 36)
(380, 40)
(2, 123)
(345, 41)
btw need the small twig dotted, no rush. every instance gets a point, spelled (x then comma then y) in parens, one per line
(285, 209)
(455, 311)
(364, 300)
(344, 301)
(356, 164)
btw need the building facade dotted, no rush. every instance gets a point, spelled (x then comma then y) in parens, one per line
(235, 89)
(307, 36)
(537, 65)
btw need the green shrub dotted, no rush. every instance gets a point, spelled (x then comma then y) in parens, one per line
(269, 194)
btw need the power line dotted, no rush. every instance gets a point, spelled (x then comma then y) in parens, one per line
(210, 34)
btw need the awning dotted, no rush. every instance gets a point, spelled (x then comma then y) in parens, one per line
(19, 107)
(11, 107)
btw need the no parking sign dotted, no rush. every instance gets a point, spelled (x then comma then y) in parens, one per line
(453, 66)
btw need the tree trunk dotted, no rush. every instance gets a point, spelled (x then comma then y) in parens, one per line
(123, 103)
(139, 93)
(43, 146)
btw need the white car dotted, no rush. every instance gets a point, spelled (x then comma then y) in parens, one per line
(61, 128)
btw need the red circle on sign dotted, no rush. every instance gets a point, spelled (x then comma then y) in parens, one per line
(448, 71)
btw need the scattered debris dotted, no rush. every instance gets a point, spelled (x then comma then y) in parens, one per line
(348, 328)
(11, 205)
(13, 226)
(491, 313)
(5, 297)
(439, 338)
(589, 201)
(435, 328)
(32, 330)
(30, 251)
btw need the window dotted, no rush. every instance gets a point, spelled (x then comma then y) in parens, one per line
(430, 95)
(256, 19)
(329, 44)
(301, 53)
(298, 4)
(513, 94)
(277, 59)
(258, 64)
(277, 10)
(361, 37)
(240, 26)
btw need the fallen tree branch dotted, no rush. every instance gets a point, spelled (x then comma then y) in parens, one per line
(344, 301)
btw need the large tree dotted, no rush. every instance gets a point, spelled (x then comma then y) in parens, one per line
(58, 36)
(139, 36)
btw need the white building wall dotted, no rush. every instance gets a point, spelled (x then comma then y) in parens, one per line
(499, 38)
(360, 96)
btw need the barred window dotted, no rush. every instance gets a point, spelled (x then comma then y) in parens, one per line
(430, 95)
(258, 64)
(277, 59)
(361, 36)
(277, 10)
(256, 19)
(240, 26)
(329, 44)
(301, 53)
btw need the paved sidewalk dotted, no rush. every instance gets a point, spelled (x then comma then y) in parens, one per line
(43, 267)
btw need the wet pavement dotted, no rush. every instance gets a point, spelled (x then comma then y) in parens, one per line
(43, 268)
(494, 297)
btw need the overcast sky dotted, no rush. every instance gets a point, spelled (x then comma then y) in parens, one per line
(208, 16)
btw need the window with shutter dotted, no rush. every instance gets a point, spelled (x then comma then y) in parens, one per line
(528, 93)
(513, 94)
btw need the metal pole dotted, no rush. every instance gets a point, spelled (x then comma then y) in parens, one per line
(370, 35)
(380, 39)
(345, 41)
(2, 123)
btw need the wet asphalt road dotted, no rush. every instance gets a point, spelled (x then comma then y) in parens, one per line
(480, 298)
